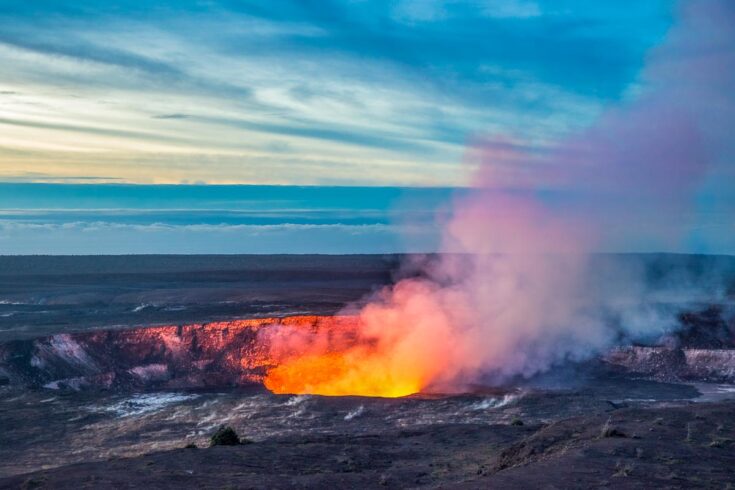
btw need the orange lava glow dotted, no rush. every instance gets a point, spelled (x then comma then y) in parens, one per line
(342, 356)
(340, 374)
(393, 348)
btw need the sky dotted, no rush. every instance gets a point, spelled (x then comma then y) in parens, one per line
(120, 119)
(319, 92)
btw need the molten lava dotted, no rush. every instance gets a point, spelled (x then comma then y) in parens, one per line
(336, 360)
(393, 348)
(338, 374)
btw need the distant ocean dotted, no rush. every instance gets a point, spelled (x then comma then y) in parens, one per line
(133, 219)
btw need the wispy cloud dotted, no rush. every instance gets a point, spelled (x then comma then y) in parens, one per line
(104, 237)
(170, 116)
(316, 92)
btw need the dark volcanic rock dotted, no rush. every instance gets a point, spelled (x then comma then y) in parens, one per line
(666, 364)
(683, 447)
(662, 363)
(56, 294)
(706, 329)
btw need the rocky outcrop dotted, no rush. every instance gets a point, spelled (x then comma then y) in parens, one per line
(701, 349)
(711, 364)
(207, 355)
(675, 364)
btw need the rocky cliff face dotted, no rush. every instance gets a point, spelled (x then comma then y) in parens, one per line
(676, 364)
(237, 353)
(703, 349)
(207, 355)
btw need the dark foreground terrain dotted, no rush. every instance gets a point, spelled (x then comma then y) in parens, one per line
(601, 425)
(686, 446)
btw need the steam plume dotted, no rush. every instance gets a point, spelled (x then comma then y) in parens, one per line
(514, 295)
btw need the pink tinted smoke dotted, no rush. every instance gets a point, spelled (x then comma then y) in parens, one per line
(514, 301)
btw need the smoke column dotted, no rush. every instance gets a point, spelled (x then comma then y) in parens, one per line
(514, 295)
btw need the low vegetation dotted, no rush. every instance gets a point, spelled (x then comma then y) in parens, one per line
(224, 436)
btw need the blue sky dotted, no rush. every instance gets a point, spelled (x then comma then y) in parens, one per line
(302, 92)
(384, 97)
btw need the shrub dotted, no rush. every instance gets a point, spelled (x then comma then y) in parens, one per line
(224, 436)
